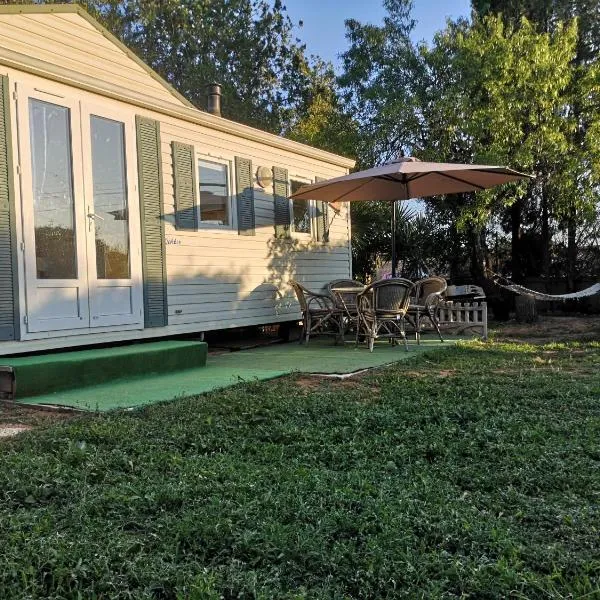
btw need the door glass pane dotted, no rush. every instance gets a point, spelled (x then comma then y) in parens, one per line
(214, 193)
(53, 201)
(111, 218)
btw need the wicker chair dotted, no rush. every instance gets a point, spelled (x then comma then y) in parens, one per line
(346, 301)
(428, 298)
(320, 314)
(382, 310)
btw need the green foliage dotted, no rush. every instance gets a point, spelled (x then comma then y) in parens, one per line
(509, 103)
(467, 472)
(371, 237)
(547, 15)
(539, 11)
(423, 241)
(381, 70)
(320, 120)
(568, 194)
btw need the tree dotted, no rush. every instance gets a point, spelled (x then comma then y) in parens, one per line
(547, 15)
(421, 240)
(509, 92)
(576, 196)
(380, 71)
(319, 118)
(380, 84)
(489, 91)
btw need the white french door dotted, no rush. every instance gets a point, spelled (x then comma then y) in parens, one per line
(80, 214)
(113, 223)
(53, 211)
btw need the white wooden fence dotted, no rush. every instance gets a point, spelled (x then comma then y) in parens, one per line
(464, 315)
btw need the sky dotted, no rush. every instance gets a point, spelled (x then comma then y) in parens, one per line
(323, 31)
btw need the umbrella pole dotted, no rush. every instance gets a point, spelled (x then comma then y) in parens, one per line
(394, 239)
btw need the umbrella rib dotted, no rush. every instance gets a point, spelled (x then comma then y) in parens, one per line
(411, 179)
(504, 171)
(419, 175)
(395, 180)
(406, 181)
(405, 178)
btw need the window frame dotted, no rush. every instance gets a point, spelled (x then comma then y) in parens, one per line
(215, 226)
(311, 209)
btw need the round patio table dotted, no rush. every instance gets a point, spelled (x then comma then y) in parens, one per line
(346, 299)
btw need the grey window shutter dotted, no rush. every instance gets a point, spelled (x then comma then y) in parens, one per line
(9, 317)
(322, 210)
(245, 196)
(322, 221)
(152, 220)
(184, 182)
(282, 203)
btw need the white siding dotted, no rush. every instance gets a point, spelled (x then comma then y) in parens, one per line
(218, 277)
(71, 42)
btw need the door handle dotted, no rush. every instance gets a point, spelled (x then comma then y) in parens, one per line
(92, 217)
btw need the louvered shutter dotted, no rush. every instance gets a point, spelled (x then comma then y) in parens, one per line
(282, 203)
(9, 318)
(322, 215)
(152, 221)
(245, 196)
(184, 181)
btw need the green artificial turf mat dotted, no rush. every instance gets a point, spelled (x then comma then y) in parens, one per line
(44, 374)
(222, 370)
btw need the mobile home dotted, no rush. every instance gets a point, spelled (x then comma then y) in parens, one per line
(126, 213)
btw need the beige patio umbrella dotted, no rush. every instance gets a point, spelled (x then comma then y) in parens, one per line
(405, 179)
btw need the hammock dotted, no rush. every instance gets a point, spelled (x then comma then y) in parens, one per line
(523, 291)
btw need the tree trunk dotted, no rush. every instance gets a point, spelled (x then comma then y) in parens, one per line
(516, 247)
(477, 243)
(545, 235)
(571, 251)
(525, 309)
(456, 265)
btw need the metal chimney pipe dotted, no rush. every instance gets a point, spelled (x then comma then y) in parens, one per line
(213, 105)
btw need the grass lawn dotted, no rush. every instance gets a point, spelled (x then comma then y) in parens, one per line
(471, 472)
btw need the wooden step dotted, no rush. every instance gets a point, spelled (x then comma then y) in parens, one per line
(46, 373)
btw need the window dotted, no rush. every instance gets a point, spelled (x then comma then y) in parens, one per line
(301, 210)
(110, 198)
(214, 206)
(53, 197)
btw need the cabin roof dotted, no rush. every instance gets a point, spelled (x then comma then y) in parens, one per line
(100, 72)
